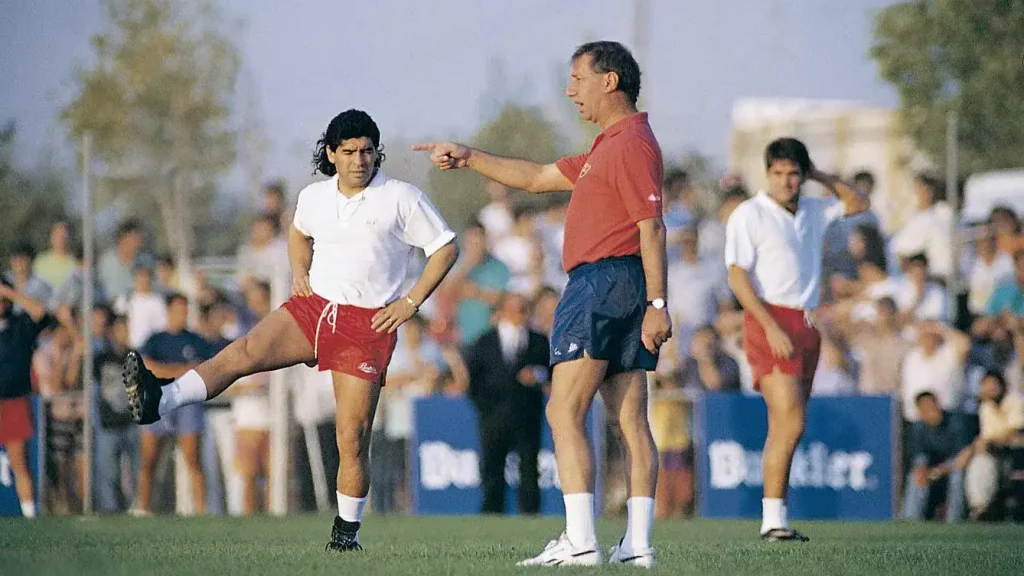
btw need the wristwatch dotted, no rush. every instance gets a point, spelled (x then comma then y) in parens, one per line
(657, 303)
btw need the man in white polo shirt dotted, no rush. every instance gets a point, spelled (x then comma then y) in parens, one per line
(773, 249)
(349, 248)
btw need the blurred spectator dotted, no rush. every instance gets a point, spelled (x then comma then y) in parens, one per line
(265, 257)
(880, 350)
(71, 292)
(712, 230)
(273, 202)
(679, 202)
(145, 309)
(935, 365)
(988, 269)
(835, 374)
(57, 365)
(1007, 228)
(707, 366)
(415, 371)
(479, 279)
(521, 252)
(117, 265)
(170, 354)
(837, 257)
(1008, 295)
(496, 216)
(23, 279)
(929, 229)
(1001, 419)
(937, 475)
(544, 310)
(507, 368)
(166, 279)
(697, 289)
(872, 283)
(919, 299)
(56, 264)
(670, 422)
(117, 437)
(18, 333)
(551, 234)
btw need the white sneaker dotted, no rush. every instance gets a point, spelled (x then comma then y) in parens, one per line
(139, 513)
(620, 555)
(561, 552)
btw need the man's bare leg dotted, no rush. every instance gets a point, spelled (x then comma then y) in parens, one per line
(149, 450)
(786, 400)
(625, 397)
(189, 446)
(22, 479)
(573, 385)
(356, 405)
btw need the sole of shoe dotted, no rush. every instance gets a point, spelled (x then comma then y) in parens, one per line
(131, 385)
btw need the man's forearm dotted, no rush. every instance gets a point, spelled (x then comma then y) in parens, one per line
(739, 281)
(437, 268)
(300, 252)
(852, 198)
(652, 253)
(512, 172)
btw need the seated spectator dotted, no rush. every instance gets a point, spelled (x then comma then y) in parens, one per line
(880, 350)
(937, 475)
(708, 367)
(989, 268)
(929, 229)
(1007, 227)
(56, 264)
(835, 375)
(919, 299)
(1008, 295)
(936, 365)
(1001, 417)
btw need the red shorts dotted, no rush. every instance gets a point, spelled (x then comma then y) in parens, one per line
(806, 346)
(15, 419)
(342, 338)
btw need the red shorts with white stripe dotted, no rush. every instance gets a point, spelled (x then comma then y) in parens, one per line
(802, 334)
(342, 338)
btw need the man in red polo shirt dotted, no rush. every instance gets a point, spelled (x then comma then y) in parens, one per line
(612, 318)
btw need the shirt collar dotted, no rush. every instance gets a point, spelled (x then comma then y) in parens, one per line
(377, 181)
(764, 197)
(623, 124)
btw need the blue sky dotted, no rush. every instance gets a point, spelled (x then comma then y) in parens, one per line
(425, 69)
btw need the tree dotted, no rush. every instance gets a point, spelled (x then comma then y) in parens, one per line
(157, 104)
(517, 131)
(30, 201)
(962, 55)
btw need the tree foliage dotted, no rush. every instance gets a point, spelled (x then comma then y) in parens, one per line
(962, 55)
(156, 101)
(517, 131)
(30, 201)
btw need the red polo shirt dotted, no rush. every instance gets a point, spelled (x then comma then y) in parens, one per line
(615, 185)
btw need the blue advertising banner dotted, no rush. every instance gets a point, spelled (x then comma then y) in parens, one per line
(444, 460)
(9, 504)
(842, 470)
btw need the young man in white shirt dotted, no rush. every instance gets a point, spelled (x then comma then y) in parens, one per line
(773, 249)
(349, 248)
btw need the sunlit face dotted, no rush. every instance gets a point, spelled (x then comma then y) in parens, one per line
(177, 315)
(991, 388)
(59, 237)
(515, 310)
(587, 88)
(784, 180)
(355, 159)
(931, 412)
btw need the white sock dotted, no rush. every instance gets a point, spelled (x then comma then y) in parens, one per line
(773, 514)
(579, 520)
(351, 509)
(28, 509)
(639, 520)
(189, 389)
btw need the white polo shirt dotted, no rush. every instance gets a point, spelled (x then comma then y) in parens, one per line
(781, 251)
(362, 245)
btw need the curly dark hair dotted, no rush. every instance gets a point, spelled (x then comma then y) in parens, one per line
(347, 125)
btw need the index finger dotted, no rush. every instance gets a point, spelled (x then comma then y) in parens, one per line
(421, 146)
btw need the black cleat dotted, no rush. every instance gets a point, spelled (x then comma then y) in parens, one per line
(783, 535)
(143, 389)
(344, 536)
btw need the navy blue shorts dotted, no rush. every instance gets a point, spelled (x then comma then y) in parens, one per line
(600, 313)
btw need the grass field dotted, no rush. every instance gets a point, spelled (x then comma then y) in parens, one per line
(485, 546)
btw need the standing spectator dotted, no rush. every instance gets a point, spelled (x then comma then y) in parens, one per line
(18, 333)
(1007, 229)
(496, 217)
(989, 268)
(118, 264)
(712, 230)
(145, 309)
(1008, 295)
(928, 230)
(679, 203)
(23, 279)
(697, 289)
(880, 350)
(1001, 419)
(507, 367)
(273, 201)
(56, 264)
(117, 437)
(521, 252)
(936, 445)
(170, 354)
(71, 292)
(166, 279)
(936, 366)
(265, 257)
(837, 257)
(479, 280)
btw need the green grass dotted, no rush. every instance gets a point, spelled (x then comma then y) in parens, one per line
(484, 546)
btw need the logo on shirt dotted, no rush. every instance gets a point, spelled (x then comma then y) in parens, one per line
(654, 197)
(584, 170)
(573, 347)
(366, 368)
